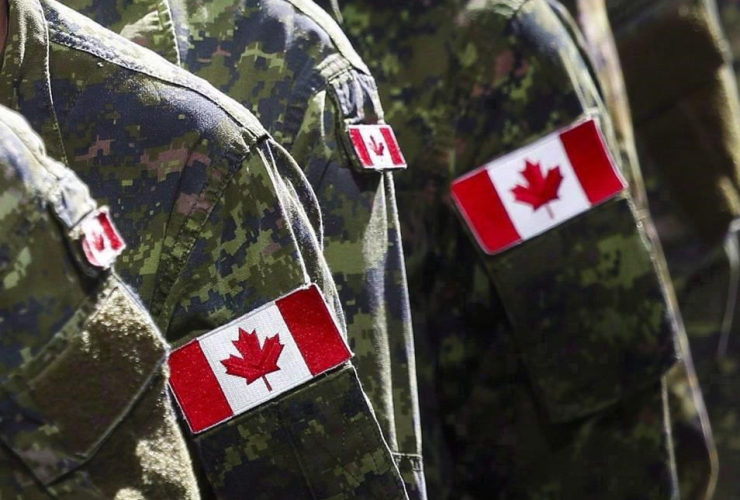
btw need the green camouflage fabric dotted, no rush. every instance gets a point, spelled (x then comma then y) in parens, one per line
(729, 16)
(688, 137)
(289, 63)
(720, 389)
(696, 456)
(212, 210)
(84, 413)
(715, 301)
(546, 363)
(679, 47)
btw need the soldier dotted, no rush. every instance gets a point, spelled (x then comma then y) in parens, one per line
(723, 351)
(696, 456)
(552, 334)
(221, 252)
(688, 135)
(289, 63)
(84, 413)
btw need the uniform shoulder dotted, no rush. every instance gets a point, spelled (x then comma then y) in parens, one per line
(307, 17)
(496, 25)
(24, 158)
(31, 181)
(18, 139)
(534, 27)
(490, 11)
(21, 180)
(77, 32)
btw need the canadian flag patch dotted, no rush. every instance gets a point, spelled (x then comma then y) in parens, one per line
(536, 188)
(255, 358)
(101, 241)
(376, 147)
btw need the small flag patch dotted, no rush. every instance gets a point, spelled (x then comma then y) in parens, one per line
(101, 241)
(255, 358)
(376, 147)
(537, 187)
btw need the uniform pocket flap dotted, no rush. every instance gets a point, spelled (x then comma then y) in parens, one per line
(589, 311)
(59, 407)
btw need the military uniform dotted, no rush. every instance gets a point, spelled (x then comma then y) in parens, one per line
(289, 63)
(521, 356)
(696, 457)
(723, 351)
(84, 413)
(687, 135)
(209, 206)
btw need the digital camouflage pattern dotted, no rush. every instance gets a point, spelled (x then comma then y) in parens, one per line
(289, 63)
(212, 210)
(688, 63)
(84, 413)
(525, 350)
(715, 299)
(720, 389)
(689, 143)
(696, 459)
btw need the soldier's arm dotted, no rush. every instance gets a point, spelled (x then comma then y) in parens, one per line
(591, 278)
(585, 302)
(84, 411)
(361, 219)
(253, 271)
(683, 95)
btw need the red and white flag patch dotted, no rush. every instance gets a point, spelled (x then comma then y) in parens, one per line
(101, 241)
(255, 358)
(538, 187)
(376, 147)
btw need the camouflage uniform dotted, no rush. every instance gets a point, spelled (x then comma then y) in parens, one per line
(209, 206)
(687, 126)
(83, 407)
(721, 387)
(695, 452)
(724, 374)
(520, 356)
(289, 63)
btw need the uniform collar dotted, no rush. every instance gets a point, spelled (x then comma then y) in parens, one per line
(24, 78)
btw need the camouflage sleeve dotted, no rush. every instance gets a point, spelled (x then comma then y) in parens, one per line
(604, 288)
(546, 360)
(84, 413)
(729, 15)
(363, 246)
(321, 439)
(233, 253)
(586, 308)
(693, 443)
(687, 118)
(284, 57)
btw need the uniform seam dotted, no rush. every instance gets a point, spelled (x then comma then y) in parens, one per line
(336, 44)
(322, 78)
(296, 109)
(68, 40)
(47, 88)
(374, 429)
(176, 264)
(164, 14)
(414, 459)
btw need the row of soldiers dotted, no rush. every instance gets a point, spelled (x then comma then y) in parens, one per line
(199, 197)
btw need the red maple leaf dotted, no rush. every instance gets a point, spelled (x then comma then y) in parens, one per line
(540, 190)
(256, 362)
(99, 242)
(377, 148)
